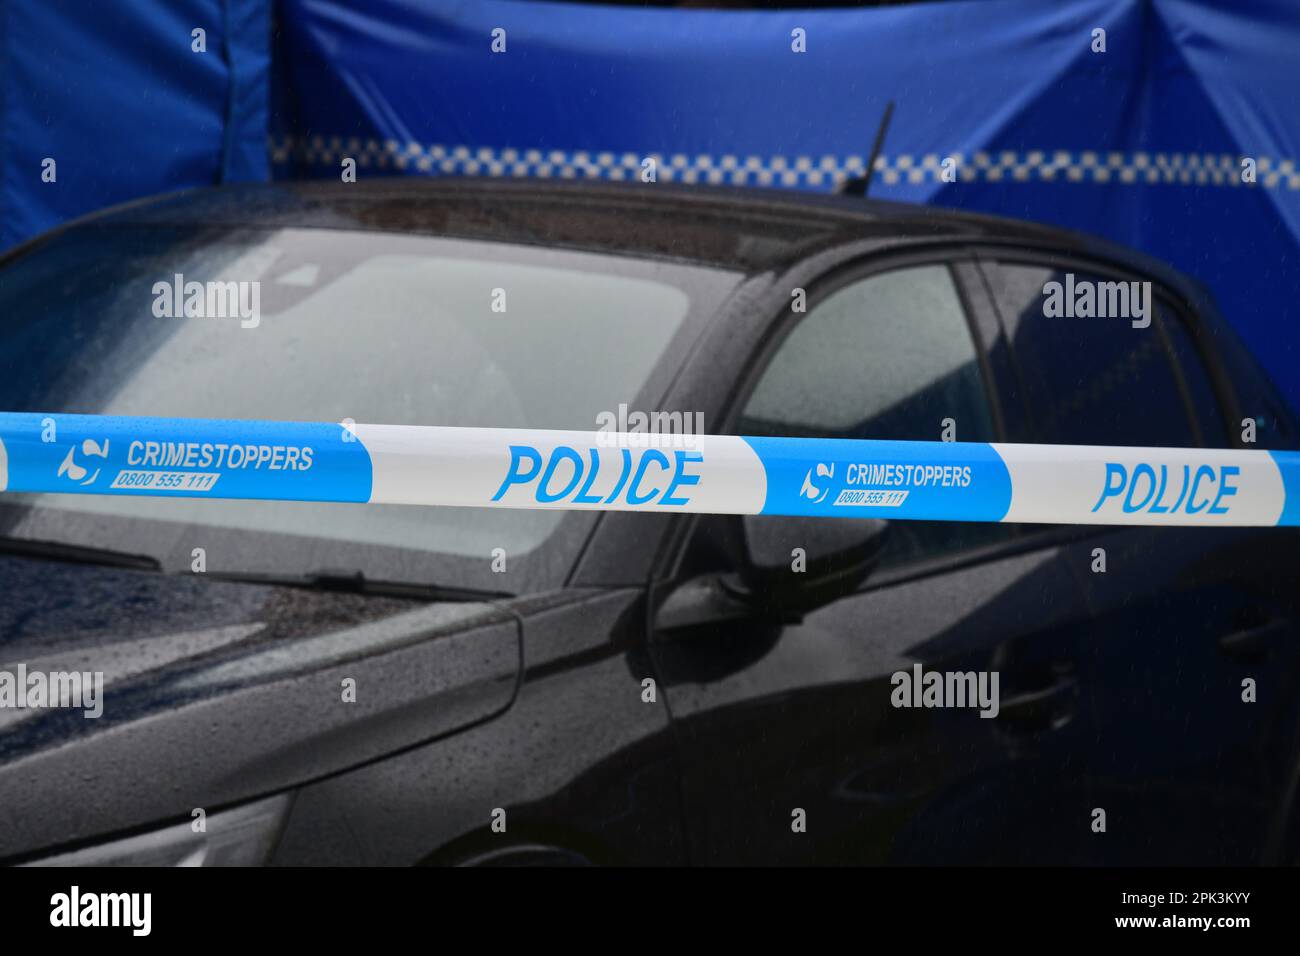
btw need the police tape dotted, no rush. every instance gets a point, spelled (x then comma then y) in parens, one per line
(601, 471)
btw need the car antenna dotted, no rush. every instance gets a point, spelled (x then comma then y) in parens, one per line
(859, 185)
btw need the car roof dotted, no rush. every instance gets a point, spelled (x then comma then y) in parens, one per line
(750, 230)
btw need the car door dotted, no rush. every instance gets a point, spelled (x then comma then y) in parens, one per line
(794, 745)
(1191, 764)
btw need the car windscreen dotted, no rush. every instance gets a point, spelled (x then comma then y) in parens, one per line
(330, 325)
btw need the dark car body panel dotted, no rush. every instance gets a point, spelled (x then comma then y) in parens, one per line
(579, 761)
(204, 715)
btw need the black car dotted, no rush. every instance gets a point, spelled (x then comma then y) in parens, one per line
(301, 683)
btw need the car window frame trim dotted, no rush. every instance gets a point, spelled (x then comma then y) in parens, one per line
(777, 328)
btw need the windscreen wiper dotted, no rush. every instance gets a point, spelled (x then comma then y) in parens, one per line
(355, 582)
(77, 554)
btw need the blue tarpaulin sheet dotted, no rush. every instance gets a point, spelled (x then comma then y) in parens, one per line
(1141, 143)
(116, 95)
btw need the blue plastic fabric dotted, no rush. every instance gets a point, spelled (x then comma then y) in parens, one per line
(114, 93)
(1184, 90)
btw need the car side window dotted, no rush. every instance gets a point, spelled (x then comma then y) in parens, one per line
(1091, 374)
(888, 357)
(1200, 392)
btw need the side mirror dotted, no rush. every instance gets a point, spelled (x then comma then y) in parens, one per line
(837, 555)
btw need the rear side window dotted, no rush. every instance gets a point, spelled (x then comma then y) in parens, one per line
(1089, 376)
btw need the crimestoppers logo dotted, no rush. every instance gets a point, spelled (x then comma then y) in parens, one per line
(815, 492)
(879, 484)
(77, 472)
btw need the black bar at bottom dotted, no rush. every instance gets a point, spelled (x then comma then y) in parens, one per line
(303, 906)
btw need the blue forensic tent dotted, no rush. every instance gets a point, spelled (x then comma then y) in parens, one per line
(1142, 143)
(116, 95)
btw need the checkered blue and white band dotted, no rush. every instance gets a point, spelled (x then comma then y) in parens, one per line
(323, 154)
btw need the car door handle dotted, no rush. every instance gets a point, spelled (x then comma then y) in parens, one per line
(1040, 706)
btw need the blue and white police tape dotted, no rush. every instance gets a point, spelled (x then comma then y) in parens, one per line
(718, 474)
